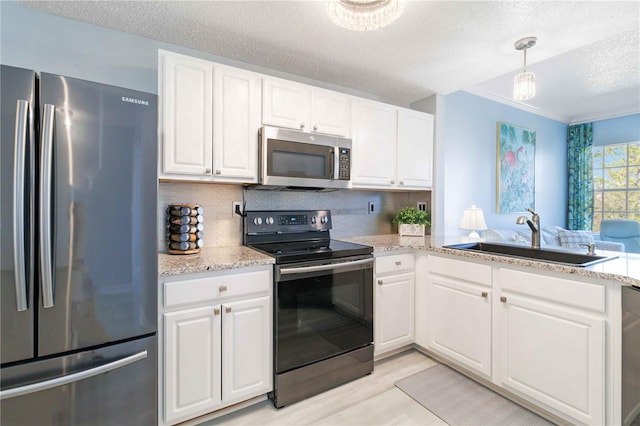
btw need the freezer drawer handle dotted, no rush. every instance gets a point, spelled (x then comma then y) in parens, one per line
(45, 206)
(19, 266)
(75, 377)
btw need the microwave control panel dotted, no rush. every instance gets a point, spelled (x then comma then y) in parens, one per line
(344, 164)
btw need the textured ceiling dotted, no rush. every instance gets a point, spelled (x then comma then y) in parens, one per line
(587, 59)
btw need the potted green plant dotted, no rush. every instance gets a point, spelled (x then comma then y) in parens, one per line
(411, 221)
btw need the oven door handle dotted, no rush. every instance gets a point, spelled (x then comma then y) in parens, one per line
(316, 268)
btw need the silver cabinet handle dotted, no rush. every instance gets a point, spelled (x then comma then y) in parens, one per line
(222, 288)
(228, 309)
(398, 263)
(19, 157)
(302, 125)
(315, 127)
(380, 282)
(503, 299)
(392, 182)
(485, 294)
(401, 182)
(207, 171)
(216, 311)
(218, 172)
(75, 377)
(46, 158)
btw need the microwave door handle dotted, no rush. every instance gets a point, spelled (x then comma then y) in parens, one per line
(336, 165)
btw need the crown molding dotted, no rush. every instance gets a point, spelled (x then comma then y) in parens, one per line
(620, 112)
(515, 104)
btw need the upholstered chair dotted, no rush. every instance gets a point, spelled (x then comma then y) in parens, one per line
(625, 231)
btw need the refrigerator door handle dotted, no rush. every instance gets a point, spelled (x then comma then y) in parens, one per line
(75, 377)
(19, 157)
(46, 160)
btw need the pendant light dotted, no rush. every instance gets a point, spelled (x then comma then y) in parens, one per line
(364, 15)
(524, 84)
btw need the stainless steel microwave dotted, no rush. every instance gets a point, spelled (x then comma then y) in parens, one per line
(294, 159)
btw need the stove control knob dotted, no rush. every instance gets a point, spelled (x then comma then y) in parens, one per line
(269, 220)
(323, 219)
(257, 221)
(314, 219)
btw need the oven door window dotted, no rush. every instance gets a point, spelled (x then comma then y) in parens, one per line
(321, 316)
(294, 159)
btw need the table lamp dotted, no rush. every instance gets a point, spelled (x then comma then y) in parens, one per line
(473, 220)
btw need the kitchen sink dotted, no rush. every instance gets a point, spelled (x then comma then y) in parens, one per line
(542, 255)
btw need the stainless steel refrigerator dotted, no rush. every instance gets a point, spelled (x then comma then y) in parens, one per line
(79, 252)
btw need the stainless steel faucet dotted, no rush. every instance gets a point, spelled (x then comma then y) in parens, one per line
(534, 224)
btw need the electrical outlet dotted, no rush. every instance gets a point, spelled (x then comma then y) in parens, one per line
(372, 208)
(422, 205)
(236, 208)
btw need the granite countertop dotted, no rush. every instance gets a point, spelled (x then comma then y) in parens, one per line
(624, 269)
(211, 259)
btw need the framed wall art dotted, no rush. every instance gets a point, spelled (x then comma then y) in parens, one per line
(516, 148)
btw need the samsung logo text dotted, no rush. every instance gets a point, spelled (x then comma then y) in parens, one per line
(135, 101)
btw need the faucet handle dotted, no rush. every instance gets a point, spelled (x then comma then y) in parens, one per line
(590, 248)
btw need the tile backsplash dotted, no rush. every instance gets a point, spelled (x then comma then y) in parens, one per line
(349, 208)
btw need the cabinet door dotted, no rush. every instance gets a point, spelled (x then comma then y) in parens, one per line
(247, 349)
(414, 149)
(191, 362)
(459, 321)
(286, 104)
(186, 99)
(373, 130)
(552, 355)
(236, 112)
(330, 112)
(393, 319)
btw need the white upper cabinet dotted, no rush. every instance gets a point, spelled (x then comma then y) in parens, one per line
(302, 107)
(330, 112)
(373, 130)
(236, 117)
(392, 147)
(209, 120)
(415, 149)
(186, 102)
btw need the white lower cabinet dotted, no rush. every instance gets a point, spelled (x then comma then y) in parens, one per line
(192, 358)
(551, 348)
(217, 342)
(393, 321)
(537, 335)
(459, 312)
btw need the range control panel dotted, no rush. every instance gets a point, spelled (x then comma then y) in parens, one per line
(286, 221)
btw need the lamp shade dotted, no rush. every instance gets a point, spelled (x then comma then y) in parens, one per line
(473, 220)
(524, 86)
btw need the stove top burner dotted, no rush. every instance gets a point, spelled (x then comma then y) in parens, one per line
(310, 250)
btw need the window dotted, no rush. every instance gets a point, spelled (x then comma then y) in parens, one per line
(616, 182)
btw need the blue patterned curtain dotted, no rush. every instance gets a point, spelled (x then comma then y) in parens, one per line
(579, 161)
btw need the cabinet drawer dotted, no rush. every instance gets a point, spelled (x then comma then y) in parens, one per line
(460, 269)
(207, 289)
(394, 263)
(567, 292)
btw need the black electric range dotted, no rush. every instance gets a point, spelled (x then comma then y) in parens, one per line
(323, 302)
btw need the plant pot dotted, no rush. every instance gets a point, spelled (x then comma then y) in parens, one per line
(411, 230)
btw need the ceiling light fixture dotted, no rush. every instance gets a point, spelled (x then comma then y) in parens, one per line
(364, 15)
(524, 84)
